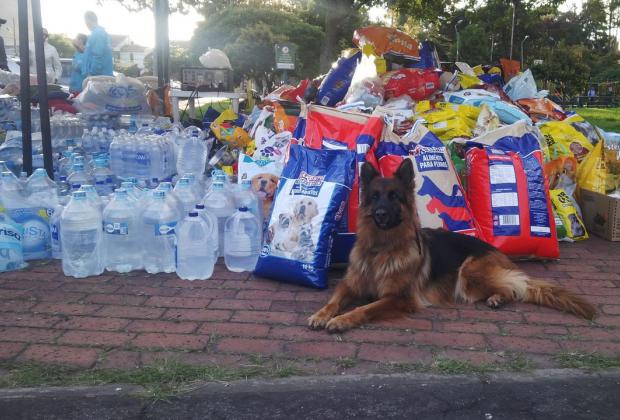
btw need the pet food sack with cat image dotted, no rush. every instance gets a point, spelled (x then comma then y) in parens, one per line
(440, 200)
(566, 211)
(310, 201)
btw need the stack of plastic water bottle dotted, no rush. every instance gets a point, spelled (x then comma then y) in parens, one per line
(95, 220)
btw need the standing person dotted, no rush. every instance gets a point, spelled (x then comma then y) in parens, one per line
(4, 64)
(53, 68)
(75, 84)
(97, 59)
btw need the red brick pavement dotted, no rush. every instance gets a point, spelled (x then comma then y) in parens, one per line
(129, 320)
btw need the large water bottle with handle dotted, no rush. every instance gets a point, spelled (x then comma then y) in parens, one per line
(192, 155)
(81, 238)
(211, 221)
(158, 223)
(219, 203)
(121, 234)
(242, 241)
(195, 248)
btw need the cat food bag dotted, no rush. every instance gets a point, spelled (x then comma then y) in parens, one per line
(310, 201)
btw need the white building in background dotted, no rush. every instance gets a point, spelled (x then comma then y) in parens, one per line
(126, 52)
(10, 30)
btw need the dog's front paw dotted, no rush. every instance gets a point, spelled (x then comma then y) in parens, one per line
(340, 324)
(319, 319)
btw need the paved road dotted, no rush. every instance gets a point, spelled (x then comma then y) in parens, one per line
(541, 395)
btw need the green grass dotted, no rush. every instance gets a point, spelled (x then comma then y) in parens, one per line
(606, 118)
(588, 361)
(160, 380)
(219, 105)
(445, 366)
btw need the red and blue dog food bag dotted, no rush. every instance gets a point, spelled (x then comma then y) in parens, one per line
(331, 129)
(440, 199)
(510, 194)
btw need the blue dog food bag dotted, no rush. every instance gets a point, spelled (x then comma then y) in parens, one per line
(310, 201)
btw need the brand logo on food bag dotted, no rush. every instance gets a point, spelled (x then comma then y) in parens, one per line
(429, 158)
(307, 184)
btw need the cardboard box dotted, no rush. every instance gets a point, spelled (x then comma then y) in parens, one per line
(601, 214)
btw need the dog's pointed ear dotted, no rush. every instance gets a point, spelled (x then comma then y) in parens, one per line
(368, 173)
(405, 173)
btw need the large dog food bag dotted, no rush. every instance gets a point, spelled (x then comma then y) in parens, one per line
(440, 200)
(510, 200)
(328, 128)
(310, 201)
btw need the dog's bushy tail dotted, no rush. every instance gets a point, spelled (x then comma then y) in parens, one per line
(552, 296)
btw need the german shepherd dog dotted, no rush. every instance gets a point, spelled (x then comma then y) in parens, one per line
(401, 267)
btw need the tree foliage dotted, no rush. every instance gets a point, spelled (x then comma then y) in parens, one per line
(63, 45)
(248, 36)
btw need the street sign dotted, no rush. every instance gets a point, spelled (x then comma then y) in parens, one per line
(285, 56)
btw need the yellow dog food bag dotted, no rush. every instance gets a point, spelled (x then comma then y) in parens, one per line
(564, 140)
(575, 229)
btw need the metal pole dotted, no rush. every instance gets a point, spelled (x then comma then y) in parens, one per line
(46, 135)
(24, 85)
(523, 42)
(512, 30)
(492, 45)
(162, 47)
(458, 38)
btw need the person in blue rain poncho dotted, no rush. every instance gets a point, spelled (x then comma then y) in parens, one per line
(97, 59)
(77, 78)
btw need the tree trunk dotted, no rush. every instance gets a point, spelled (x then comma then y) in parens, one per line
(335, 12)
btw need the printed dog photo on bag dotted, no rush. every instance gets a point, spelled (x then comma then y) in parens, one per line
(265, 186)
(292, 234)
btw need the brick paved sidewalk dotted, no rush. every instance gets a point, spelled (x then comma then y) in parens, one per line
(125, 321)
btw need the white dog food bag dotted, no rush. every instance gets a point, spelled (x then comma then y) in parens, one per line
(311, 198)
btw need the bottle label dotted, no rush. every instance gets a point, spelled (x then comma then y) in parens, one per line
(36, 241)
(165, 229)
(55, 231)
(116, 228)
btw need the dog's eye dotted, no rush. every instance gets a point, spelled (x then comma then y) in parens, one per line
(392, 195)
(375, 196)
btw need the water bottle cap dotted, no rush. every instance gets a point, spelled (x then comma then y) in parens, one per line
(76, 186)
(243, 209)
(193, 214)
(200, 206)
(155, 180)
(23, 173)
(184, 181)
(99, 182)
(159, 195)
(88, 188)
(126, 184)
(78, 166)
(7, 174)
(63, 178)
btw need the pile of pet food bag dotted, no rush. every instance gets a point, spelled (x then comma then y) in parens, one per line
(494, 157)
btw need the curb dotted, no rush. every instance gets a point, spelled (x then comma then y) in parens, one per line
(548, 393)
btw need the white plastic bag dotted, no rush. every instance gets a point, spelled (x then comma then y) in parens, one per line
(121, 95)
(523, 86)
(366, 86)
